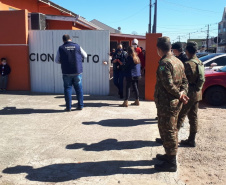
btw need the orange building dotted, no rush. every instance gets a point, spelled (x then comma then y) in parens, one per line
(17, 17)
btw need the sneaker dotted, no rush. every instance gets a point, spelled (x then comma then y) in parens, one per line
(67, 110)
(79, 108)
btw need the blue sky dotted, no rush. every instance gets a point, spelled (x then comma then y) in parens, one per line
(176, 18)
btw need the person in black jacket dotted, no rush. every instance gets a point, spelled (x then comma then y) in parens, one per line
(178, 52)
(118, 60)
(132, 74)
(4, 72)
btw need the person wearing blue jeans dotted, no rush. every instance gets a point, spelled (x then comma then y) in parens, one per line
(76, 82)
(70, 55)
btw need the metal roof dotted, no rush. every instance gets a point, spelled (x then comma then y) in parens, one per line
(104, 26)
(129, 36)
(79, 19)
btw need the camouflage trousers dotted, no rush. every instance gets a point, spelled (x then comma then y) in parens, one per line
(190, 110)
(167, 125)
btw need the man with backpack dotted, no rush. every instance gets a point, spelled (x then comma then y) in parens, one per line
(194, 70)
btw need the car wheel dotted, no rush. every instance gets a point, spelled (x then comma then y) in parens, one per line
(216, 96)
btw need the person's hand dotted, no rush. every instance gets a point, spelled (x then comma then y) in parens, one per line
(184, 98)
(114, 61)
(119, 62)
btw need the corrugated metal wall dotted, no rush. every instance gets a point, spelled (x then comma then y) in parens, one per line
(46, 75)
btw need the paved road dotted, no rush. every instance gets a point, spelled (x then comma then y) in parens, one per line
(103, 144)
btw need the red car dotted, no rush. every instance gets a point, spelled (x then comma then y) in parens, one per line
(214, 89)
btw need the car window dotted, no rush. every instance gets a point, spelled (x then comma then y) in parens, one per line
(207, 57)
(223, 69)
(219, 61)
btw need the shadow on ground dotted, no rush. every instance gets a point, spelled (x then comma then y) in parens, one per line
(72, 171)
(14, 110)
(204, 105)
(122, 122)
(112, 144)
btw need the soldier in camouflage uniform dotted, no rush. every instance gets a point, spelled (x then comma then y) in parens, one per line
(194, 70)
(170, 93)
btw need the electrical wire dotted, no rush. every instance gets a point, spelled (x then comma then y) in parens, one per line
(190, 7)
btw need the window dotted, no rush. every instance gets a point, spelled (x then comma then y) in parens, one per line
(113, 44)
(220, 61)
(125, 45)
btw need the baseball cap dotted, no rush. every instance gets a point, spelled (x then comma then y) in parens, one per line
(134, 42)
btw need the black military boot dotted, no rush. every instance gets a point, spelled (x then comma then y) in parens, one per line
(162, 157)
(168, 166)
(190, 142)
(159, 140)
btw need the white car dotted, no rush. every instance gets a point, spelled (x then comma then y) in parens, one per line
(214, 61)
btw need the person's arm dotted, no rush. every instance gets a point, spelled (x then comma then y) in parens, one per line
(114, 58)
(84, 54)
(167, 80)
(184, 85)
(57, 59)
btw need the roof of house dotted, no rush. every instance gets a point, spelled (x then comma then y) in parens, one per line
(50, 3)
(78, 18)
(126, 36)
(104, 26)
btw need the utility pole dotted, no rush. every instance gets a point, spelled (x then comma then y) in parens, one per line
(207, 38)
(149, 25)
(189, 36)
(155, 19)
(179, 38)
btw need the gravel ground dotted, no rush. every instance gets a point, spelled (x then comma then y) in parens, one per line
(103, 144)
(206, 163)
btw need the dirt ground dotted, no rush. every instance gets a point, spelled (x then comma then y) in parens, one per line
(206, 164)
(103, 144)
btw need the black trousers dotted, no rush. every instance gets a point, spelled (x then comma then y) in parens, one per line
(132, 81)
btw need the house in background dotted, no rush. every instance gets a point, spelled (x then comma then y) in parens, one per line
(17, 17)
(46, 15)
(117, 37)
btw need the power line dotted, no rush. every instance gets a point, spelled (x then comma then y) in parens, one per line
(190, 7)
(132, 14)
